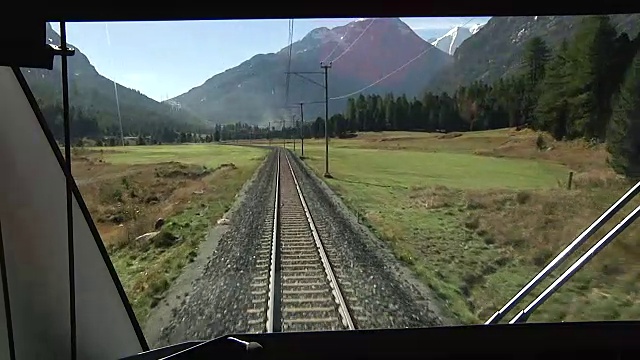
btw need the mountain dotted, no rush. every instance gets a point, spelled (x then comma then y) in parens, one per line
(95, 95)
(475, 28)
(450, 41)
(362, 52)
(496, 50)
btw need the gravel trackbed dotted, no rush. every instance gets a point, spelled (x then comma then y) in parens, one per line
(213, 295)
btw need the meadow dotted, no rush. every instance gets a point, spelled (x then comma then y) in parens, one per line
(127, 189)
(476, 215)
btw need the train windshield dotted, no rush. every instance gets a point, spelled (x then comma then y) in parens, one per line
(341, 174)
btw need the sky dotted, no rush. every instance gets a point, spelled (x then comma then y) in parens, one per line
(163, 59)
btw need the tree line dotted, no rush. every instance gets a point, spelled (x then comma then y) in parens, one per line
(89, 122)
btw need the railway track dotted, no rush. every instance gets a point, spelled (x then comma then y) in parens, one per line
(295, 288)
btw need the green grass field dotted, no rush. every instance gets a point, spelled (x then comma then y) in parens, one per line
(210, 155)
(476, 216)
(190, 207)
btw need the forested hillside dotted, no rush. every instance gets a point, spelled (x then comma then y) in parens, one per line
(497, 49)
(95, 109)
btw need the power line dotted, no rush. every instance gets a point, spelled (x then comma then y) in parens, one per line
(391, 73)
(382, 78)
(115, 86)
(288, 78)
(354, 41)
(340, 41)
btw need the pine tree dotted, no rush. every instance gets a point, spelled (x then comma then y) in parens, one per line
(551, 107)
(623, 133)
(536, 57)
(591, 59)
(390, 113)
(352, 114)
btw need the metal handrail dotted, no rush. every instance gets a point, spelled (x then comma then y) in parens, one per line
(562, 256)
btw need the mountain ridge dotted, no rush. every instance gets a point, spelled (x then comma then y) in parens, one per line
(362, 51)
(95, 95)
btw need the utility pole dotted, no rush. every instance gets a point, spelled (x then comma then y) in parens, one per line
(326, 67)
(294, 124)
(302, 130)
(284, 138)
(269, 133)
(302, 74)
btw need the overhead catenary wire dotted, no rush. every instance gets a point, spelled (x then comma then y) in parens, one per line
(340, 42)
(115, 86)
(288, 75)
(391, 73)
(354, 41)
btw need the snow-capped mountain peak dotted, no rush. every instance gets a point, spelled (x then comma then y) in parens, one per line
(475, 28)
(450, 41)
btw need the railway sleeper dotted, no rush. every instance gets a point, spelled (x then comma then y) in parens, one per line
(308, 282)
(261, 279)
(307, 293)
(296, 239)
(294, 262)
(294, 247)
(290, 215)
(305, 300)
(300, 256)
(298, 261)
(311, 324)
(299, 277)
(312, 311)
(301, 266)
(299, 232)
(318, 273)
(318, 311)
(297, 249)
(257, 311)
(306, 287)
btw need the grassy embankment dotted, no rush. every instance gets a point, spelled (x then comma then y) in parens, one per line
(128, 189)
(477, 215)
